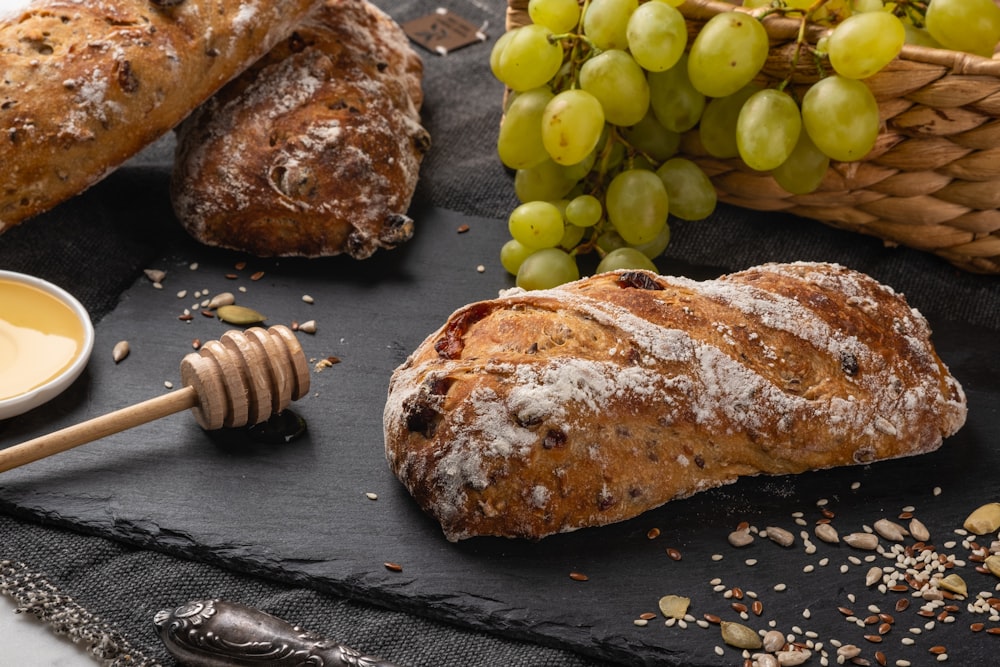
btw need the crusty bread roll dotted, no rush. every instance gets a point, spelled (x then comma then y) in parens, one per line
(86, 85)
(548, 411)
(315, 150)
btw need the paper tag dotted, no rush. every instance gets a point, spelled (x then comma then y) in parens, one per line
(443, 32)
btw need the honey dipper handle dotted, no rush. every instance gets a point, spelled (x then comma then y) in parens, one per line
(97, 428)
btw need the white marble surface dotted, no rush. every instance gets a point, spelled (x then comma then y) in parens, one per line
(26, 641)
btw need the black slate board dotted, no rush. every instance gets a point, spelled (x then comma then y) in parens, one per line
(299, 512)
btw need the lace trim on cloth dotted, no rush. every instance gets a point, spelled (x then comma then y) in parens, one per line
(35, 594)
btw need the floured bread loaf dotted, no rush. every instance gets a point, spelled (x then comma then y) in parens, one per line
(316, 149)
(547, 411)
(86, 85)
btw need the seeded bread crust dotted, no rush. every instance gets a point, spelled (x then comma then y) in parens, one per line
(314, 151)
(548, 411)
(86, 85)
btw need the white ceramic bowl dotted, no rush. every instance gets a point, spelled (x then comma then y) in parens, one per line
(21, 403)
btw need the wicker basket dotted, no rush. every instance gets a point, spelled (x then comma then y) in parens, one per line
(931, 182)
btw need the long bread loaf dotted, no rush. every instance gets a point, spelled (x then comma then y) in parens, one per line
(86, 85)
(547, 411)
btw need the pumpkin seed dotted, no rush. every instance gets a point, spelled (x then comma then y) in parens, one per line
(955, 584)
(674, 606)
(239, 315)
(740, 636)
(984, 519)
(993, 564)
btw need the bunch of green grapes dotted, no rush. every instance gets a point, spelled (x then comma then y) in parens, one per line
(601, 92)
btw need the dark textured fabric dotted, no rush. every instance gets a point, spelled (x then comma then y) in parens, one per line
(99, 242)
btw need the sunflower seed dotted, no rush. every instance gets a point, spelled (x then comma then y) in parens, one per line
(740, 538)
(155, 275)
(221, 299)
(773, 641)
(874, 576)
(890, 530)
(792, 658)
(865, 541)
(919, 530)
(120, 350)
(827, 533)
(780, 536)
(308, 327)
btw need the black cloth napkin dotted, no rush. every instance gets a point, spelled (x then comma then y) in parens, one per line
(97, 244)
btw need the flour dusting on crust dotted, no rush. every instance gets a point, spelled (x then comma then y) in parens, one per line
(547, 411)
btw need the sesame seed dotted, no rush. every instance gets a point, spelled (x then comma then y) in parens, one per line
(640, 622)
(308, 299)
(780, 587)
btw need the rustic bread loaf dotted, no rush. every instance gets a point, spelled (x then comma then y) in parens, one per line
(86, 85)
(313, 151)
(547, 411)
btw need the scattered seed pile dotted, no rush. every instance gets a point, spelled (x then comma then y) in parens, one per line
(915, 585)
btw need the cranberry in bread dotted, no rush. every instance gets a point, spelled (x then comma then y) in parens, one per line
(547, 411)
(315, 150)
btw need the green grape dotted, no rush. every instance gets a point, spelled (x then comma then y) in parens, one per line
(972, 26)
(919, 36)
(862, 6)
(625, 258)
(689, 190)
(841, 117)
(519, 142)
(571, 126)
(657, 35)
(673, 3)
(717, 129)
(528, 59)
(512, 253)
(676, 103)
(727, 53)
(547, 181)
(547, 268)
(584, 211)
(559, 16)
(863, 44)
(610, 239)
(653, 249)
(615, 79)
(536, 224)
(637, 205)
(571, 237)
(651, 138)
(804, 169)
(498, 47)
(577, 172)
(767, 129)
(606, 22)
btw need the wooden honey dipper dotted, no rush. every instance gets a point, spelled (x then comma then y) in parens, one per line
(241, 379)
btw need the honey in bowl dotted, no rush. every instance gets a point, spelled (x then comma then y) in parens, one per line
(40, 337)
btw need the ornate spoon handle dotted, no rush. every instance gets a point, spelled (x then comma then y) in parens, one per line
(216, 633)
